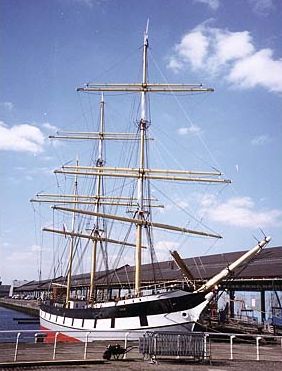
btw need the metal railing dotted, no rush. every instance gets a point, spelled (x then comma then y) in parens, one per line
(31, 345)
(169, 344)
(245, 347)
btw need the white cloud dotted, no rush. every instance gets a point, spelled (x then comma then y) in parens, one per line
(175, 64)
(258, 69)
(260, 140)
(21, 138)
(192, 48)
(193, 129)
(262, 7)
(240, 212)
(49, 126)
(230, 46)
(7, 105)
(213, 4)
(230, 54)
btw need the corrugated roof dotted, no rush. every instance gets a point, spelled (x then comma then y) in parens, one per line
(268, 264)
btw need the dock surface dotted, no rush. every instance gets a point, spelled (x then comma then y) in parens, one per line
(73, 356)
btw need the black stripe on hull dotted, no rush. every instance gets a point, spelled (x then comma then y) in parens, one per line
(144, 308)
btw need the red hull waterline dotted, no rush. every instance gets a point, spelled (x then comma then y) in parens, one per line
(51, 335)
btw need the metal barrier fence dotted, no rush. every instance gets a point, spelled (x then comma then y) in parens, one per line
(169, 344)
(30, 346)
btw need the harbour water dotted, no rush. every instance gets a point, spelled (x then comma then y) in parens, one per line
(10, 326)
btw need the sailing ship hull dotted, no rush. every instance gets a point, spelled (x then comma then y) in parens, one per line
(170, 311)
(173, 310)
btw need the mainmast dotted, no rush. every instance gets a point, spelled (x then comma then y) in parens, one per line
(143, 124)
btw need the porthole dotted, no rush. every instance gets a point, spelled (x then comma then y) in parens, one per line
(184, 314)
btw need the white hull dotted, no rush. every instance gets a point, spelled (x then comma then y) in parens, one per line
(102, 329)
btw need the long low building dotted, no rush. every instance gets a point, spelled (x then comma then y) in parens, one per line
(264, 273)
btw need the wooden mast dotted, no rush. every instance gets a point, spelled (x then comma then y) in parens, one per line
(71, 250)
(99, 163)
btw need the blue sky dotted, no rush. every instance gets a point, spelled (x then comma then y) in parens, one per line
(49, 48)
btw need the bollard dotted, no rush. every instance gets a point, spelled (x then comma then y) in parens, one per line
(258, 338)
(125, 344)
(17, 344)
(55, 345)
(86, 345)
(231, 346)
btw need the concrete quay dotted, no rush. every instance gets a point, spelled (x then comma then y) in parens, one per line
(73, 356)
(25, 306)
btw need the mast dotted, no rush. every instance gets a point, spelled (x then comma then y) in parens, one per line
(99, 163)
(142, 173)
(71, 250)
(140, 196)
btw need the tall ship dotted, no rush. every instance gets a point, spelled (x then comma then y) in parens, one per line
(121, 214)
